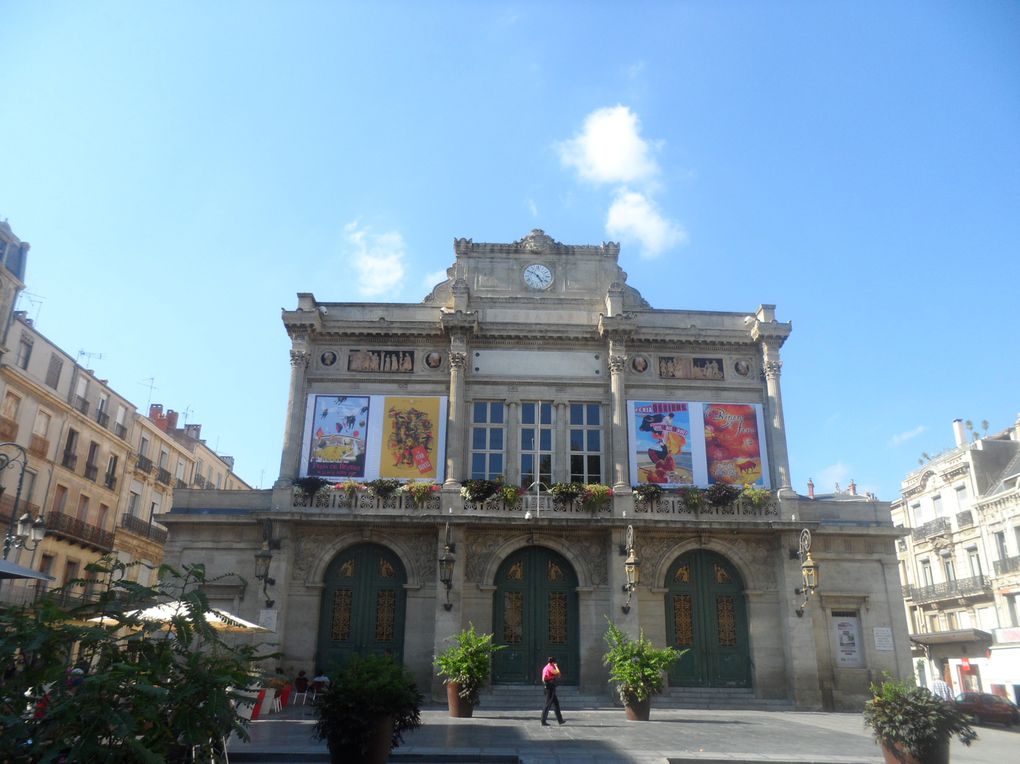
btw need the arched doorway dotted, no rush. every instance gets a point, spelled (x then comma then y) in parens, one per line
(362, 606)
(535, 616)
(706, 614)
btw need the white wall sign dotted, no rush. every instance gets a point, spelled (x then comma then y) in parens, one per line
(883, 638)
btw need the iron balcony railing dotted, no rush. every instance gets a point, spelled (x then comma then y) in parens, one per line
(974, 586)
(139, 527)
(91, 471)
(102, 418)
(74, 529)
(143, 464)
(69, 460)
(82, 404)
(963, 519)
(110, 481)
(120, 430)
(163, 476)
(932, 528)
(1007, 565)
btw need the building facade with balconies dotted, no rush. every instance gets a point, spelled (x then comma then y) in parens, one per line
(535, 363)
(960, 562)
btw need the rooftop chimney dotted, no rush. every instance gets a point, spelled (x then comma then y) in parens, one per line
(171, 419)
(852, 488)
(810, 489)
(959, 433)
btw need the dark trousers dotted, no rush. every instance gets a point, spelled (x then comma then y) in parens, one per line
(551, 701)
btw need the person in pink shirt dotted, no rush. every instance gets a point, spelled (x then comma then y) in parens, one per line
(550, 675)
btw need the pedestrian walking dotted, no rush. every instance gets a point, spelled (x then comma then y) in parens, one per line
(551, 675)
(941, 689)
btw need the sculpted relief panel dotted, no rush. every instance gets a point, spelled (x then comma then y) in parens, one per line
(416, 549)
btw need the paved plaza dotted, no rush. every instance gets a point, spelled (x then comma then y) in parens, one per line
(604, 736)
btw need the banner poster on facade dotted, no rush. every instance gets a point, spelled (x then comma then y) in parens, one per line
(676, 443)
(364, 437)
(848, 639)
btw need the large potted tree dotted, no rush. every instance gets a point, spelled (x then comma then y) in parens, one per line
(366, 708)
(636, 667)
(913, 726)
(465, 667)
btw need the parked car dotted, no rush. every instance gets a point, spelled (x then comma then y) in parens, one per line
(985, 707)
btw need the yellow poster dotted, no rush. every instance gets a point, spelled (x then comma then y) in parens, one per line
(410, 438)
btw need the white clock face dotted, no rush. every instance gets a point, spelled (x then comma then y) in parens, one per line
(538, 276)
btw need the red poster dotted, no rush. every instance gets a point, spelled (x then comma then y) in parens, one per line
(732, 446)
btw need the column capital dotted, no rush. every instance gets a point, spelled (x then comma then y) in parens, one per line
(300, 358)
(617, 364)
(773, 369)
(458, 360)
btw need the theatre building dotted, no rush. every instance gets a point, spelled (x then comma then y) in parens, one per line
(537, 363)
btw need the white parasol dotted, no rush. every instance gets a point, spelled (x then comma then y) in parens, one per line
(220, 620)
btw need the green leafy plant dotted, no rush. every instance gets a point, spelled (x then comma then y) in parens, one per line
(648, 493)
(369, 687)
(310, 485)
(691, 497)
(467, 662)
(510, 493)
(420, 491)
(563, 494)
(595, 496)
(382, 487)
(349, 488)
(910, 717)
(478, 491)
(721, 494)
(636, 665)
(758, 497)
(149, 690)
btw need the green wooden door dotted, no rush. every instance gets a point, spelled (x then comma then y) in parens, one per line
(362, 607)
(706, 614)
(535, 616)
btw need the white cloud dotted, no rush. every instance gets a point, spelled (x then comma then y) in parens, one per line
(378, 259)
(532, 207)
(634, 216)
(832, 475)
(903, 437)
(610, 149)
(434, 278)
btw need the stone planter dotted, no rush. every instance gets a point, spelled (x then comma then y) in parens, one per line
(459, 707)
(894, 753)
(379, 746)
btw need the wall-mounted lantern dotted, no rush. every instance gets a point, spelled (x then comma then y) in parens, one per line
(631, 568)
(808, 571)
(263, 558)
(446, 562)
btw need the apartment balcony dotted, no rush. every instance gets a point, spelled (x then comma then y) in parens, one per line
(8, 429)
(199, 481)
(81, 404)
(91, 472)
(143, 464)
(120, 431)
(907, 592)
(976, 586)
(964, 519)
(110, 481)
(7, 504)
(1008, 565)
(178, 483)
(163, 476)
(936, 527)
(139, 527)
(102, 418)
(76, 531)
(69, 460)
(39, 446)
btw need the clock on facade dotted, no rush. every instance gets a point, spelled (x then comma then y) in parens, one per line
(538, 276)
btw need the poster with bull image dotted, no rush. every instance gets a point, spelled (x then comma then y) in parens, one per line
(677, 443)
(364, 437)
(732, 445)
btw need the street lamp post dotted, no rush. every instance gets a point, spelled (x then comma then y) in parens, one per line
(20, 530)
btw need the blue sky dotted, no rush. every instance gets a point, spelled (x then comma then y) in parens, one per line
(183, 169)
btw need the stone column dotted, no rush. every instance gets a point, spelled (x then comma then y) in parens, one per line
(618, 392)
(561, 443)
(780, 457)
(456, 422)
(511, 445)
(290, 461)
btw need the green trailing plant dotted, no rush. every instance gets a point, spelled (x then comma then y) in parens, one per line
(910, 717)
(420, 491)
(310, 485)
(478, 491)
(595, 496)
(467, 662)
(721, 494)
(149, 691)
(636, 666)
(510, 493)
(382, 487)
(563, 494)
(649, 493)
(691, 497)
(758, 497)
(350, 489)
(369, 687)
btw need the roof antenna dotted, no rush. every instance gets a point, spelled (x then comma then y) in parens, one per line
(152, 386)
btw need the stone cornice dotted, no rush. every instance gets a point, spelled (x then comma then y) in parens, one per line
(536, 243)
(459, 322)
(771, 332)
(621, 327)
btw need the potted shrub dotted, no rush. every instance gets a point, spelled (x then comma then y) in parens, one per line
(420, 491)
(648, 493)
(510, 494)
(721, 494)
(479, 491)
(913, 726)
(309, 486)
(636, 667)
(757, 497)
(350, 490)
(563, 494)
(366, 708)
(595, 496)
(382, 487)
(465, 666)
(691, 497)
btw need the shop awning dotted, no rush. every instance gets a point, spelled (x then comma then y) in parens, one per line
(956, 637)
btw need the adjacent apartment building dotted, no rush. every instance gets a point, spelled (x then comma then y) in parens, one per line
(960, 562)
(81, 457)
